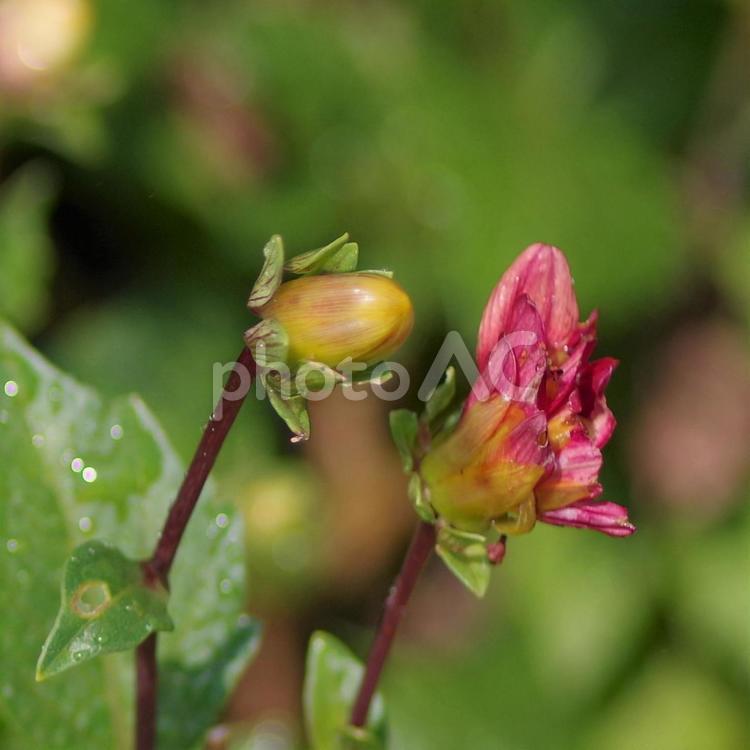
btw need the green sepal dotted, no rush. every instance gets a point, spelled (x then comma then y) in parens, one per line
(270, 276)
(268, 343)
(379, 272)
(404, 429)
(293, 410)
(416, 494)
(367, 375)
(465, 554)
(442, 397)
(332, 677)
(105, 606)
(317, 374)
(340, 256)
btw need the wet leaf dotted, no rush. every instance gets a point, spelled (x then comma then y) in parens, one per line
(105, 607)
(77, 467)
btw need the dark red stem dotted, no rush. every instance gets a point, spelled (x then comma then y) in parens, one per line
(420, 549)
(233, 396)
(147, 686)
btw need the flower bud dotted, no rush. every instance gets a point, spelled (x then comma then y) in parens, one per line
(332, 317)
(528, 444)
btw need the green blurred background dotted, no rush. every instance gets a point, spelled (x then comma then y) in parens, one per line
(149, 148)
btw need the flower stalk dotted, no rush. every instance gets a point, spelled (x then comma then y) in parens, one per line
(158, 566)
(420, 549)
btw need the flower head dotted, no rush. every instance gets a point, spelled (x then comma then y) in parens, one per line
(527, 446)
(333, 323)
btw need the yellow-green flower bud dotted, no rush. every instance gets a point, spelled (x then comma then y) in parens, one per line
(332, 317)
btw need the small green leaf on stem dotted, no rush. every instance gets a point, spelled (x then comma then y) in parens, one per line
(404, 429)
(105, 607)
(465, 554)
(332, 677)
(442, 397)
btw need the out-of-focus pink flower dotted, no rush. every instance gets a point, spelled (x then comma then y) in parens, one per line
(528, 444)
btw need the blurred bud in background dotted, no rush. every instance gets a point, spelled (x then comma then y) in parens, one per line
(284, 526)
(219, 122)
(38, 39)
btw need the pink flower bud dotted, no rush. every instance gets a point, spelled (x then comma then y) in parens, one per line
(528, 444)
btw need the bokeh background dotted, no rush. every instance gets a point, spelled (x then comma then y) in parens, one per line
(149, 148)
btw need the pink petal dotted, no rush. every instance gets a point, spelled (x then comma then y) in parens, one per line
(609, 518)
(525, 444)
(592, 383)
(518, 361)
(575, 476)
(542, 272)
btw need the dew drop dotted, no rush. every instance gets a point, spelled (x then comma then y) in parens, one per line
(10, 388)
(77, 464)
(85, 524)
(37, 441)
(222, 520)
(11, 545)
(116, 432)
(89, 474)
(225, 586)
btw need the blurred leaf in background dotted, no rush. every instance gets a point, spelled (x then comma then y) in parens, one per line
(27, 257)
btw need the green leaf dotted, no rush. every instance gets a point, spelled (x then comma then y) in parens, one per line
(442, 397)
(465, 554)
(416, 495)
(75, 466)
(268, 343)
(404, 429)
(332, 678)
(190, 698)
(26, 252)
(105, 607)
(340, 256)
(270, 276)
(293, 410)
